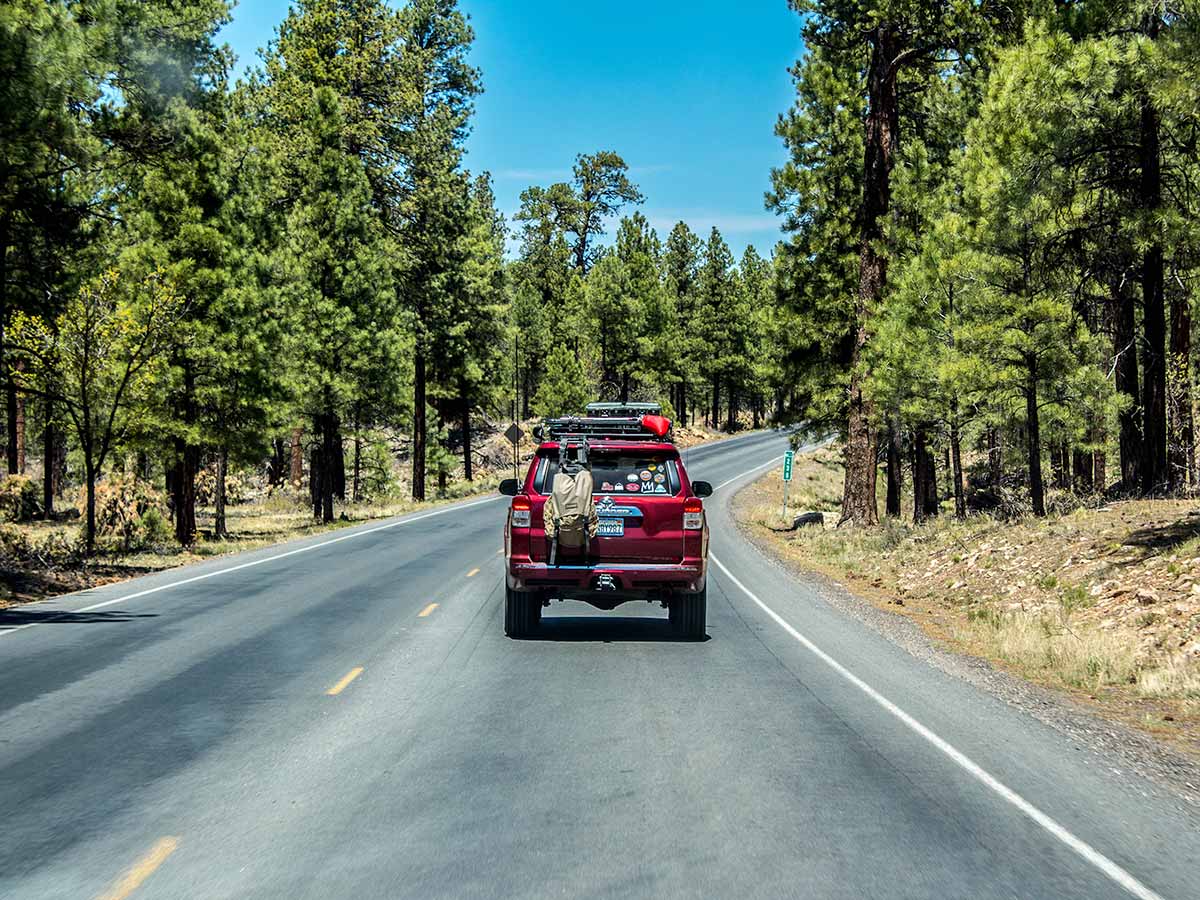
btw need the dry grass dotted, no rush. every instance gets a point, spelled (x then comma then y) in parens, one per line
(1101, 602)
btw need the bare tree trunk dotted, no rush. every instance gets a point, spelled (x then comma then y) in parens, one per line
(895, 469)
(468, 467)
(356, 488)
(330, 450)
(1154, 384)
(337, 456)
(1082, 476)
(881, 138)
(1037, 491)
(19, 433)
(716, 402)
(920, 474)
(418, 455)
(1122, 312)
(1181, 448)
(183, 490)
(297, 473)
(275, 466)
(995, 459)
(960, 493)
(14, 466)
(315, 465)
(219, 529)
(48, 459)
(90, 519)
(731, 415)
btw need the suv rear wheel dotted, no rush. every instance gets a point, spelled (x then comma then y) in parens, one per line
(522, 612)
(688, 613)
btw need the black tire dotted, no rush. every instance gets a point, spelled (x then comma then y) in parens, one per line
(688, 615)
(522, 613)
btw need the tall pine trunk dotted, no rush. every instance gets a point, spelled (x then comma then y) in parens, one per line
(716, 402)
(881, 136)
(995, 459)
(468, 468)
(1122, 313)
(337, 457)
(219, 528)
(49, 459)
(895, 469)
(1033, 436)
(183, 492)
(731, 417)
(956, 467)
(418, 444)
(296, 476)
(331, 449)
(19, 433)
(1154, 370)
(1181, 449)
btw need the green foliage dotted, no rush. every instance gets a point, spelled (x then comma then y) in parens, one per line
(565, 389)
(130, 514)
(20, 498)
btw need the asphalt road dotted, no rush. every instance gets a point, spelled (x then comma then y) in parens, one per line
(304, 722)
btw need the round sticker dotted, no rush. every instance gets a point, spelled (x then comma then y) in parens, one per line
(632, 476)
(658, 478)
(645, 475)
(634, 486)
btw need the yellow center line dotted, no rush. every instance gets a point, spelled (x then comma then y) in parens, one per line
(472, 573)
(427, 610)
(346, 679)
(142, 869)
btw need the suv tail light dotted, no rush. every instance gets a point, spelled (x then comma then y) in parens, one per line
(693, 514)
(521, 511)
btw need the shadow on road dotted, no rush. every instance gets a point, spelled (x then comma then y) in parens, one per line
(608, 630)
(10, 618)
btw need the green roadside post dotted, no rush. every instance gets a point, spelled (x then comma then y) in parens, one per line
(787, 477)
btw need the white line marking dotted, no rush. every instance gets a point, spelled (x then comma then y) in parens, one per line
(769, 462)
(1085, 850)
(247, 565)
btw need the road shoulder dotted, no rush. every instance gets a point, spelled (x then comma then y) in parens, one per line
(1113, 743)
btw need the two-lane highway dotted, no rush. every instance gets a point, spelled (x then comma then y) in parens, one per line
(343, 717)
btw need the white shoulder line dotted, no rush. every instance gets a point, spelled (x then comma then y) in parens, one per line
(247, 565)
(1085, 850)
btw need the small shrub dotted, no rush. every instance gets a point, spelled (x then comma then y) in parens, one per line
(1047, 582)
(130, 513)
(237, 487)
(1075, 597)
(20, 498)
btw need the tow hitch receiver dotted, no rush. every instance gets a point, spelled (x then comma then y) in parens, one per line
(605, 583)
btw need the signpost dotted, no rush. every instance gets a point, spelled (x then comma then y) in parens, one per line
(514, 435)
(787, 477)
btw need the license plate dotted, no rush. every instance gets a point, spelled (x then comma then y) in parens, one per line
(612, 528)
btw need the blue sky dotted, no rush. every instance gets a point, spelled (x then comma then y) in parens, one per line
(687, 93)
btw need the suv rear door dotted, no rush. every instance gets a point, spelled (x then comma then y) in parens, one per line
(639, 499)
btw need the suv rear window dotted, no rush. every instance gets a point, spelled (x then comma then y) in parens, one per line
(620, 473)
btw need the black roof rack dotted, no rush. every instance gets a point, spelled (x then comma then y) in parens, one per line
(622, 428)
(622, 410)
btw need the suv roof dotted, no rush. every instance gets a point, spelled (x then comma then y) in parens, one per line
(626, 410)
(639, 428)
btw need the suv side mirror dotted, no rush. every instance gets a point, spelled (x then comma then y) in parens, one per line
(510, 487)
(702, 488)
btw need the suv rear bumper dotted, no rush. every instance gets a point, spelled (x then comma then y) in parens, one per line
(619, 578)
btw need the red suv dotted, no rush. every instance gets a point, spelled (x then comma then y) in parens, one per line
(652, 543)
